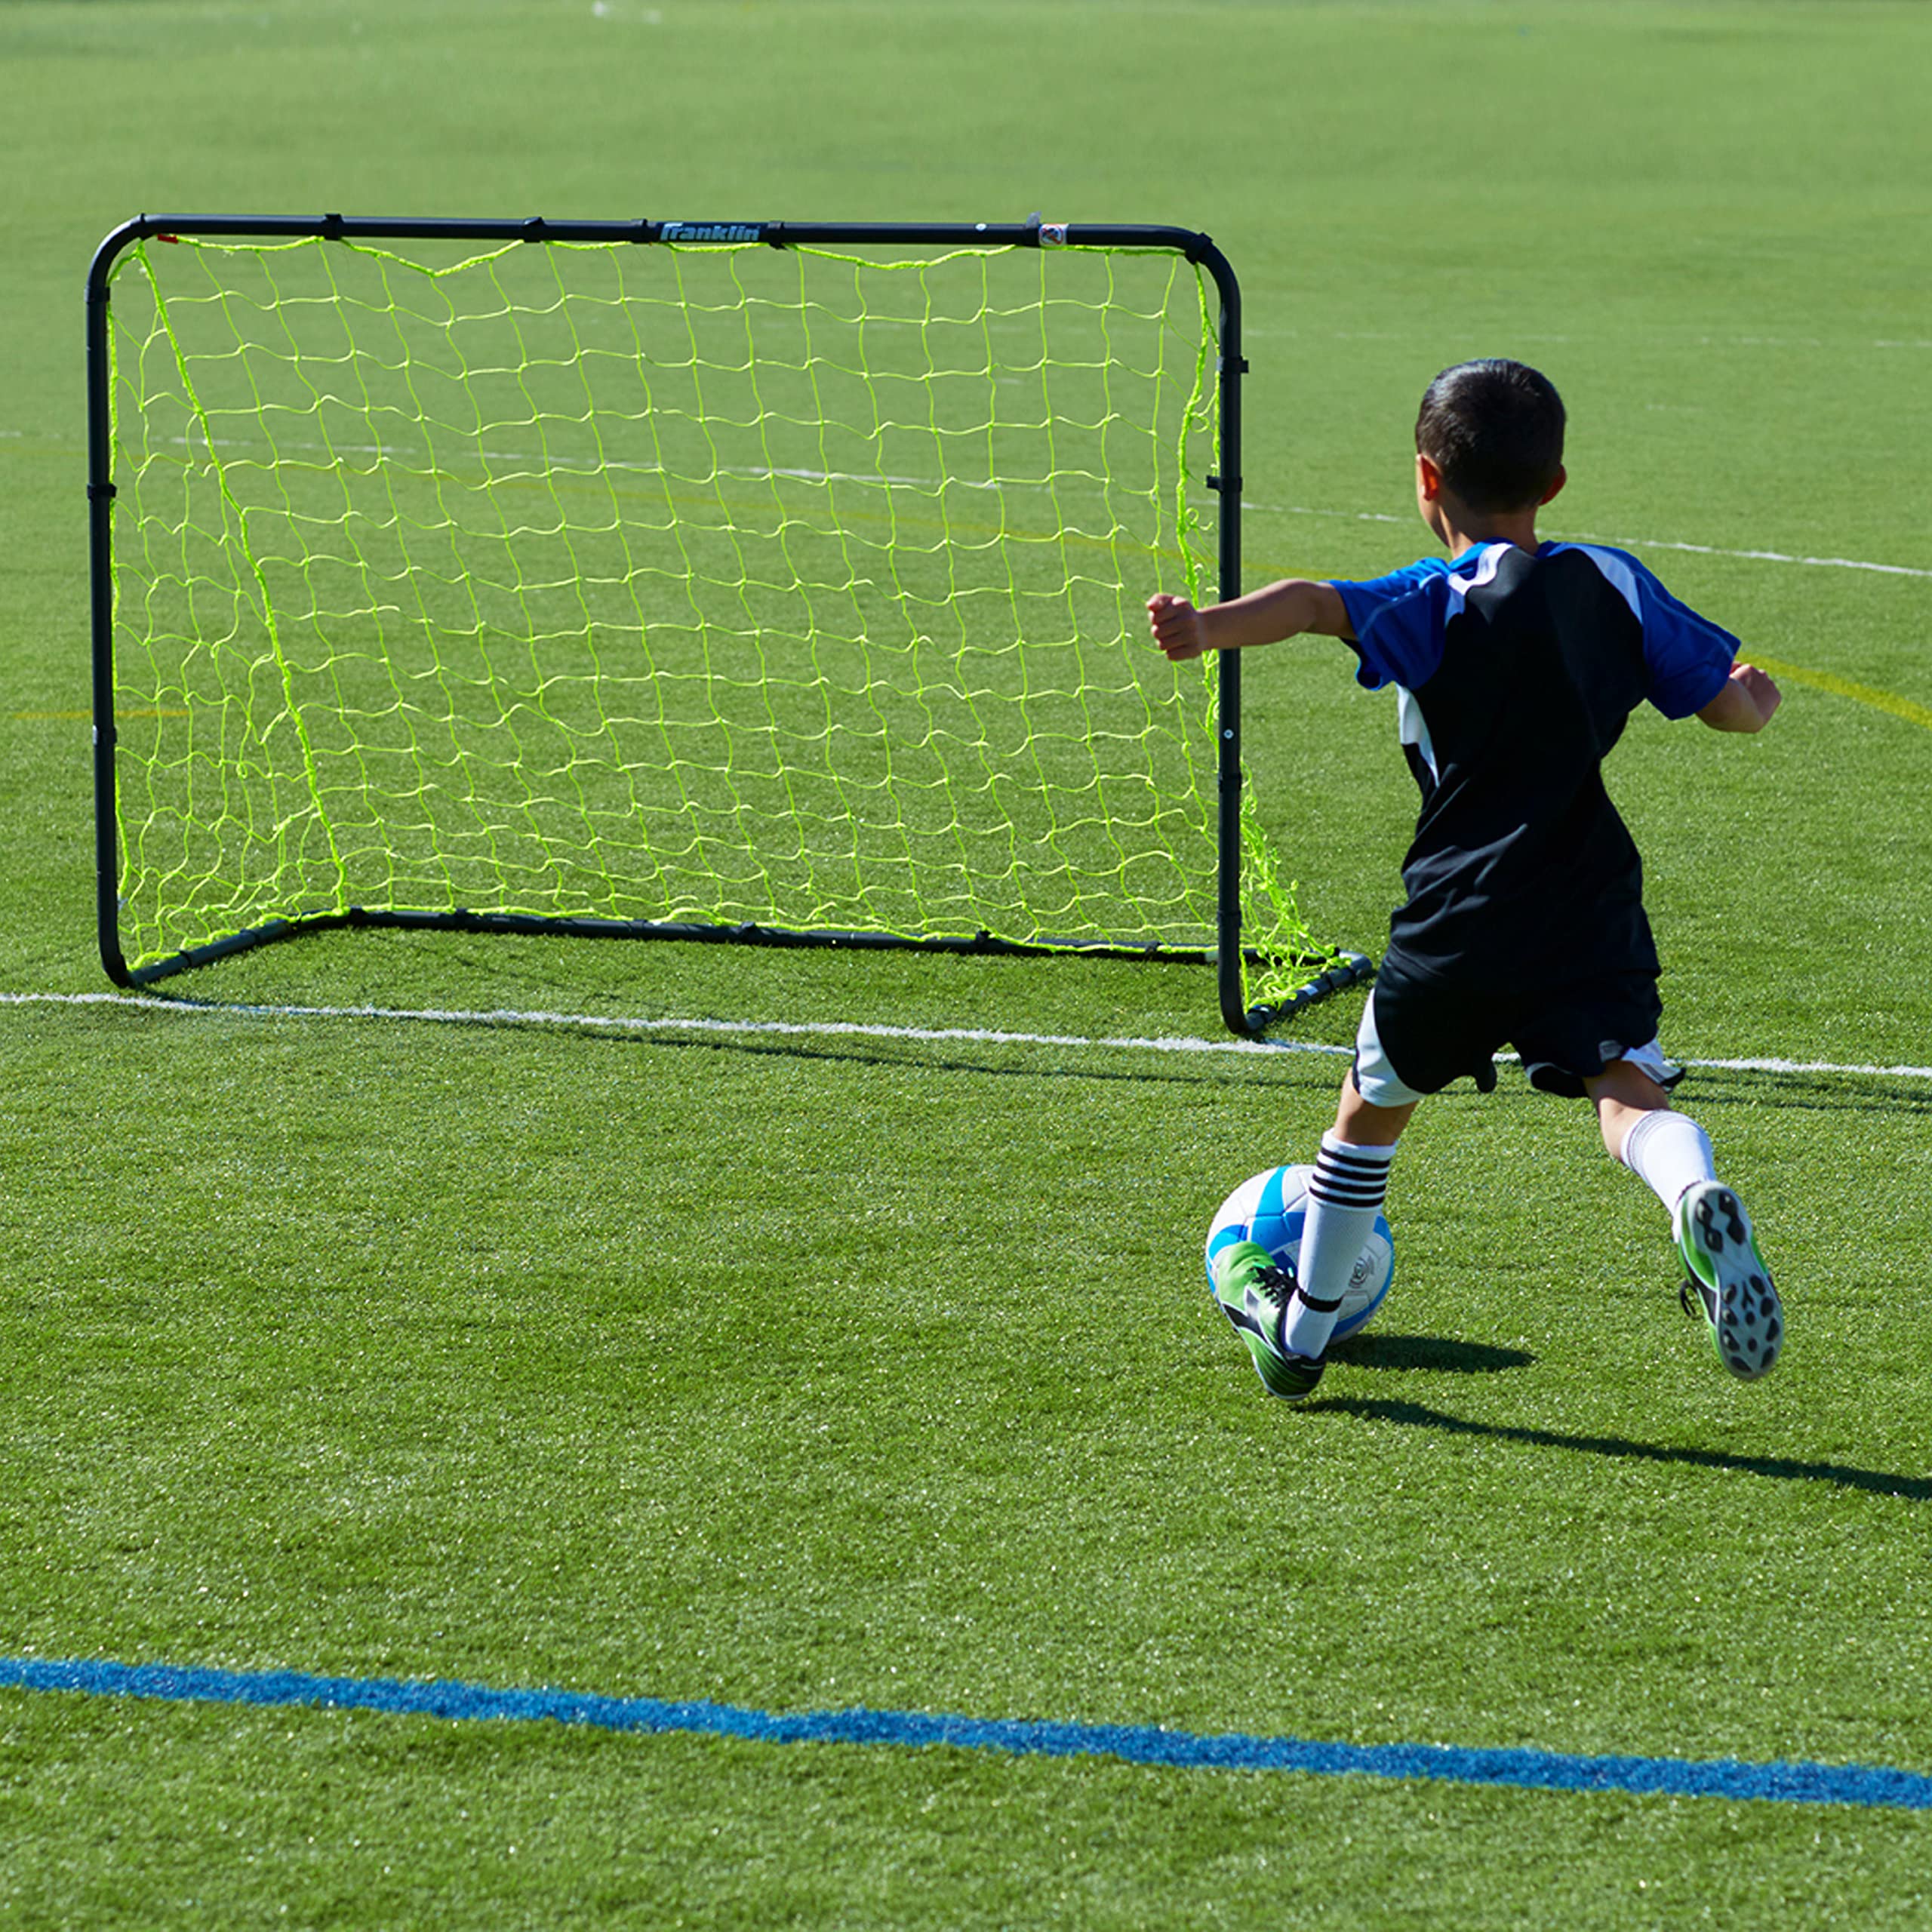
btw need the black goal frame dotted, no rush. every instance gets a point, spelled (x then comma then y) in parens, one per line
(1225, 483)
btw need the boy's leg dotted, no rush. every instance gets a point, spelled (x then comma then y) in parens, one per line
(1671, 1153)
(1667, 1150)
(1351, 1178)
(1286, 1320)
(1361, 1123)
(1345, 1195)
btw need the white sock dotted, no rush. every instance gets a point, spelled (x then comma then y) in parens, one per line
(1344, 1198)
(1669, 1151)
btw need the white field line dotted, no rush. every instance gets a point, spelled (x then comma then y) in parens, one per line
(842, 1030)
(1622, 542)
(1258, 331)
(629, 1023)
(738, 473)
(935, 485)
(1754, 556)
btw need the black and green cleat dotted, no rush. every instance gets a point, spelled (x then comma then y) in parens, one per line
(1254, 1292)
(1729, 1285)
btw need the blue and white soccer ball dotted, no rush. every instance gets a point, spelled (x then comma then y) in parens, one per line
(1271, 1208)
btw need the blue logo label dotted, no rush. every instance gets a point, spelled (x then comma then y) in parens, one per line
(710, 231)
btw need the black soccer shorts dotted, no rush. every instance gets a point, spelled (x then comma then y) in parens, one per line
(1419, 1033)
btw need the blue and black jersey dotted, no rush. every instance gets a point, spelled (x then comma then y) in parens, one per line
(1516, 673)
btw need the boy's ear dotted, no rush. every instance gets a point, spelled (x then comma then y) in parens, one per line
(1429, 479)
(1562, 477)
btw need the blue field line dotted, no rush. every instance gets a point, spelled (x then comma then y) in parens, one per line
(1786, 1783)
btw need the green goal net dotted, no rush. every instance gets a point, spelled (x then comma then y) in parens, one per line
(704, 586)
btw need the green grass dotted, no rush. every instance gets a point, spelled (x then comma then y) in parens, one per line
(836, 1369)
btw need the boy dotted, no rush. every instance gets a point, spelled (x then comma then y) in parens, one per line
(1517, 664)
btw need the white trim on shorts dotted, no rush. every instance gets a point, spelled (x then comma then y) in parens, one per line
(1380, 1085)
(1652, 1060)
(1375, 1080)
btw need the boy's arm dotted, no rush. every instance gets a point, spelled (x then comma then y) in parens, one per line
(1745, 703)
(1281, 611)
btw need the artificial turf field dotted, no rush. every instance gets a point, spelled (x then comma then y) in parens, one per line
(804, 1372)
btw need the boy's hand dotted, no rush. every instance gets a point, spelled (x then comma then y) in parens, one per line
(1758, 687)
(1177, 627)
(1745, 703)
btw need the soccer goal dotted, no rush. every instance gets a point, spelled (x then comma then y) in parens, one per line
(768, 582)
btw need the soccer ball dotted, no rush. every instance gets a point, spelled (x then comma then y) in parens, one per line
(1270, 1208)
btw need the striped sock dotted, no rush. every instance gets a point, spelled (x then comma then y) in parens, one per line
(1344, 1198)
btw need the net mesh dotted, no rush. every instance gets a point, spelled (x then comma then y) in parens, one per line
(796, 588)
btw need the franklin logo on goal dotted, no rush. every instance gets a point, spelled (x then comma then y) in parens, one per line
(711, 231)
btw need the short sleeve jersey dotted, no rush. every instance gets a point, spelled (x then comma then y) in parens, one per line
(1516, 673)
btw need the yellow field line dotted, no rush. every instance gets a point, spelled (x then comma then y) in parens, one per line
(1825, 681)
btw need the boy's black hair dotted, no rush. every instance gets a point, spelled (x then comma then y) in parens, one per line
(1495, 430)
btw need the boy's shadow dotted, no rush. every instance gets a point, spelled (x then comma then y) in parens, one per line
(1406, 1352)
(1433, 1353)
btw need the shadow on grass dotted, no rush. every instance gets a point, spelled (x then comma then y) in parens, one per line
(1318, 1070)
(1805, 1093)
(1415, 1415)
(1432, 1353)
(1799, 1089)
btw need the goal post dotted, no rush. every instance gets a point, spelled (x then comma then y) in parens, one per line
(777, 582)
